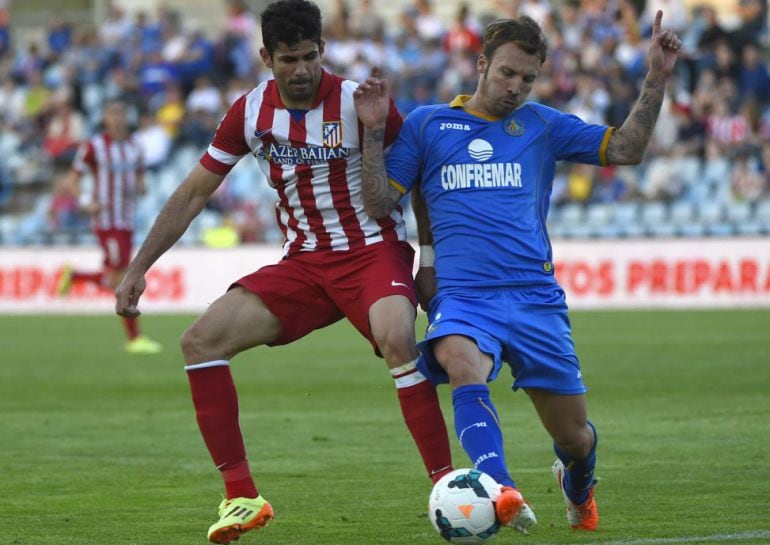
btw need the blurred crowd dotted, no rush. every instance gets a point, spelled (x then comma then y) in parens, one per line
(711, 145)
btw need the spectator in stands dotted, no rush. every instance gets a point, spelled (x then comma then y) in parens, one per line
(64, 210)
(171, 110)
(240, 37)
(711, 32)
(753, 22)
(154, 141)
(746, 179)
(65, 128)
(429, 26)
(5, 37)
(365, 20)
(463, 36)
(59, 35)
(753, 76)
(205, 96)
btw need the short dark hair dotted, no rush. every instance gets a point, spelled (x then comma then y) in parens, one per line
(290, 22)
(523, 31)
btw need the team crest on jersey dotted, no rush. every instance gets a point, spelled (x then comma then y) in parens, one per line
(514, 128)
(332, 134)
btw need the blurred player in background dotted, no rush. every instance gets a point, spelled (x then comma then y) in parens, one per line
(484, 165)
(338, 262)
(114, 160)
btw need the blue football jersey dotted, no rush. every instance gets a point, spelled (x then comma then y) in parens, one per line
(487, 183)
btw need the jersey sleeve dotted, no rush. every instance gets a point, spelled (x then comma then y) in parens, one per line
(575, 140)
(403, 159)
(229, 143)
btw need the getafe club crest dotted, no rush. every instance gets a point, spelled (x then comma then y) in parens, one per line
(332, 133)
(514, 128)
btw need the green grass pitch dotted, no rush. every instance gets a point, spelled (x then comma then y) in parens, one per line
(100, 447)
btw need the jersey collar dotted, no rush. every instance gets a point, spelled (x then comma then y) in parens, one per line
(459, 102)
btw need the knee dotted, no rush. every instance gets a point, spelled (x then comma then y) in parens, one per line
(396, 343)
(577, 440)
(460, 369)
(196, 348)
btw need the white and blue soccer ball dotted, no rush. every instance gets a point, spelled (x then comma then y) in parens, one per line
(462, 506)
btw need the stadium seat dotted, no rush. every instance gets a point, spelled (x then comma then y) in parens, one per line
(571, 214)
(655, 220)
(712, 216)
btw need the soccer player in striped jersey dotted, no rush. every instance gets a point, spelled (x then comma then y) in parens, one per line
(303, 130)
(114, 159)
(484, 166)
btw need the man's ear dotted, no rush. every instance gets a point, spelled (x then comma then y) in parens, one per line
(267, 59)
(321, 47)
(482, 64)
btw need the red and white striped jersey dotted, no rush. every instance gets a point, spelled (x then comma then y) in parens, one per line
(312, 161)
(115, 166)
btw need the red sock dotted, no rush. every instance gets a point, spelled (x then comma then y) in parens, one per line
(93, 278)
(216, 409)
(423, 416)
(132, 327)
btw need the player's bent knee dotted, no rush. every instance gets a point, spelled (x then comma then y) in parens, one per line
(397, 344)
(577, 442)
(196, 346)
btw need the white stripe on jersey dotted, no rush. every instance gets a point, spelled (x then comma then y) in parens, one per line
(323, 191)
(223, 157)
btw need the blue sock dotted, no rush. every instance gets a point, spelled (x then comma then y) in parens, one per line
(579, 474)
(478, 428)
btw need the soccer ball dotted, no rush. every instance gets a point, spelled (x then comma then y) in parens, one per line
(461, 506)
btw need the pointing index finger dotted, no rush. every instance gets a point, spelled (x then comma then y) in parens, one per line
(656, 24)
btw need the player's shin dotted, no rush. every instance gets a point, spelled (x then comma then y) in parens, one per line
(579, 473)
(478, 429)
(216, 410)
(422, 414)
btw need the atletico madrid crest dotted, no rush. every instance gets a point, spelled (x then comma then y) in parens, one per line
(332, 132)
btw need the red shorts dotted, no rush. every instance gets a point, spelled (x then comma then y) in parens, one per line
(310, 290)
(116, 244)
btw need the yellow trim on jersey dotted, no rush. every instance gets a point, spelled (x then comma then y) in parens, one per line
(605, 144)
(459, 102)
(401, 189)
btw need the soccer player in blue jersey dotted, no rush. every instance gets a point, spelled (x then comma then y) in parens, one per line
(484, 165)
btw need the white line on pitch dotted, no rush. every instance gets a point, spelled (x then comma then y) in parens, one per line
(717, 538)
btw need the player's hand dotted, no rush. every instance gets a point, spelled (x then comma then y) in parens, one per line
(425, 286)
(372, 99)
(128, 293)
(664, 48)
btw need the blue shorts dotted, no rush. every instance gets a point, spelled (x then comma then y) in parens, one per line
(526, 327)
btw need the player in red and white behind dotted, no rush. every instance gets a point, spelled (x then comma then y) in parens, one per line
(303, 129)
(114, 160)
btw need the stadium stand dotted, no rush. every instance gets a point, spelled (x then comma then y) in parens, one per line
(707, 172)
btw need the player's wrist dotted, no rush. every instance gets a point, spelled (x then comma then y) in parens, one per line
(427, 256)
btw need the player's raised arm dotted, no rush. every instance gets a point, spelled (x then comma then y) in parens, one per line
(372, 106)
(628, 144)
(174, 219)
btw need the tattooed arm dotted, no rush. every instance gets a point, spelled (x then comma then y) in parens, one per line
(380, 197)
(372, 105)
(628, 144)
